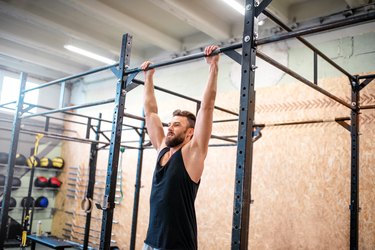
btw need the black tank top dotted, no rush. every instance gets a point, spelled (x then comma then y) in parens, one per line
(172, 222)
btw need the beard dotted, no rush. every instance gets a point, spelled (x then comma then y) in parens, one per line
(174, 141)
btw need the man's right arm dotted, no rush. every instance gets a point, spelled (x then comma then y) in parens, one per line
(153, 122)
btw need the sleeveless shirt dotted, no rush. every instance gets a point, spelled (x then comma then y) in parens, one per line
(172, 223)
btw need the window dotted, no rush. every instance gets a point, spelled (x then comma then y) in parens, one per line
(10, 90)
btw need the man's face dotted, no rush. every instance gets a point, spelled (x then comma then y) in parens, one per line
(178, 131)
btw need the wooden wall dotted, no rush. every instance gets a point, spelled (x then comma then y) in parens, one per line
(301, 175)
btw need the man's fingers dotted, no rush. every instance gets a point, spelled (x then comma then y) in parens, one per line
(209, 49)
(145, 65)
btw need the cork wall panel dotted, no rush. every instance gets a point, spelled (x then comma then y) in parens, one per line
(300, 188)
(367, 175)
(68, 198)
(301, 175)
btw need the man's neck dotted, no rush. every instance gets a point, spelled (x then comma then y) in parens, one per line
(173, 150)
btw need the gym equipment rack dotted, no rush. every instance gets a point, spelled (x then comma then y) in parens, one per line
(243, 175)
(22, 112)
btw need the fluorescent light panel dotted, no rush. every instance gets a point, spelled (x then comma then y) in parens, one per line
(235, 5)
(89, 54)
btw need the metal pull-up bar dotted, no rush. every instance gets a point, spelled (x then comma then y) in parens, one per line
(302, 79)
(185, 58)
(319, 28)
(309, 45)
(86, 105)
(89, 72)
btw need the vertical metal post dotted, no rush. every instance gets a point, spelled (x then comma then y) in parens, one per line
(46, 125)
(242, 188)
(12, 159)
(91, 181)
(109, 198)
(197, 107)
(315, 68)
(354, 183)
(137, 187)
(62, 95)
(88, 128)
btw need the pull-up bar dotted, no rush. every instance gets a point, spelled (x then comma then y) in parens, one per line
(338, 119)
(302, 79)
(7, 103)
(185, 58)
(72, 77)
(319, 28)
(371, 76)
(368, 107)
(86, 105)
(306, 43)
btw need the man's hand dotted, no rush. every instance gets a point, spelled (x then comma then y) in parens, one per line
(148, 72)
(208, 51)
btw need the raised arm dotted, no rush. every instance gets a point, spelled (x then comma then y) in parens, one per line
(153, 122)
(198, 146)
(203, 126)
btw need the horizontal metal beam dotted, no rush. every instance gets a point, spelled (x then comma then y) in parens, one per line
(7, 103)
(86, 116)
(136, 70)
(35, 125)
(372, 76)
(309, 45)
(323, 27)
(261, 7)
(65, 137)
(223, 138)
(368, 107)
(338, 119)
(185, 58)
(72, 77)
(301, 78)
(364, 83)
(222, 145)
(225, 120)
(70, 113)
(86, 105)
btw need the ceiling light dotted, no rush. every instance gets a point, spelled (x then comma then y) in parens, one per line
(89, 54)
(261, 22)
(235, 5)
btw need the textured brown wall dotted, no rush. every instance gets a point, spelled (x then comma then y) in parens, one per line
(301, 175)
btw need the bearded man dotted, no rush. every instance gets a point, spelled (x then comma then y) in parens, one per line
(180, 163)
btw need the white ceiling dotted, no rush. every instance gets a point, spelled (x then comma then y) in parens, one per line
(33, 32)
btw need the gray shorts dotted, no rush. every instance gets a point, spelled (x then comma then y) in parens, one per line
(147, 247)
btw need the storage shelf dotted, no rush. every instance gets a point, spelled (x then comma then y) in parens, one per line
(37, 168)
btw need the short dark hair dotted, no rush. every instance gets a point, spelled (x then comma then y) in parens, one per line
(190, 116)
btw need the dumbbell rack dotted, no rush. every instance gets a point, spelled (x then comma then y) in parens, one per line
(18, 212)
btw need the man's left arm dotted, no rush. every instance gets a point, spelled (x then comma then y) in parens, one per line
(203, 127)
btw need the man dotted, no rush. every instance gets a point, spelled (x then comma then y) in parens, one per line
(179, 165)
